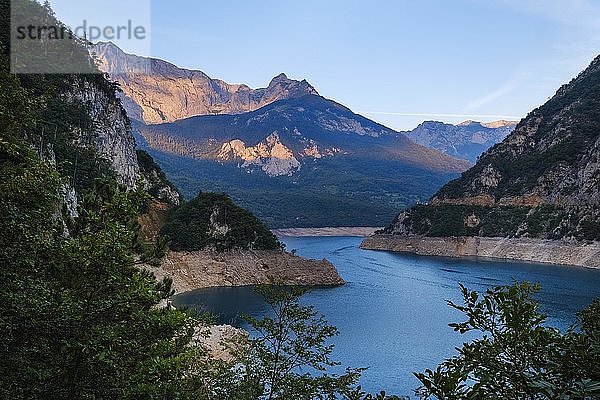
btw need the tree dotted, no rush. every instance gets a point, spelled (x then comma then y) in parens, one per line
(516, 356)
(287, 356)
(79, 317)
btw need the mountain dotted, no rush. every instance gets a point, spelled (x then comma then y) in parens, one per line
(467, 140)
(281, 138)
(155, 91)
(301, 162)
(542, 181)
(284, 152)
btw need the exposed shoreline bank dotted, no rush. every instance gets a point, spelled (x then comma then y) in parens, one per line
(204, 269)
(327, 231)
(571, 253)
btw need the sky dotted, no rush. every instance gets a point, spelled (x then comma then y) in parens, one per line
(398, 62)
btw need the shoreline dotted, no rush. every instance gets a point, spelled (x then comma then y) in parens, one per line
(205, 269)
(355, 231)
(543, 251)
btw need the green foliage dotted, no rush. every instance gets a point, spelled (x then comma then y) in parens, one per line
(516, 356)
(213, 220)
(287, 356)
(154, 174)
(546, 221)
(452, 220)
(80, 319)
(79, 316)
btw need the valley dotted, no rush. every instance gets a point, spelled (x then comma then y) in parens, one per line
(292, 157)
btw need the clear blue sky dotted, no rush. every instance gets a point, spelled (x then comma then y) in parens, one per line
(396, 61)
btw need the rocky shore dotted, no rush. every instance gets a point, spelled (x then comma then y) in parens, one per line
(202, 269)
(333, 231)
(584, 254)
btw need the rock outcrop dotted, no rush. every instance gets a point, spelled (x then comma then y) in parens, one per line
(202, 269)
(155, 91)
(111, 139)
(111, 134)
(272, 156)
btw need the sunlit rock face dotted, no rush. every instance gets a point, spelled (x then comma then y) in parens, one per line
(155, 91)
(274, 158)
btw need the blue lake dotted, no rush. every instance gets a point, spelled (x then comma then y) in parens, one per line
(392, 314)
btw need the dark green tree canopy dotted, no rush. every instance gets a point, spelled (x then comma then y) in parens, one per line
(516, 355)
(213, 220)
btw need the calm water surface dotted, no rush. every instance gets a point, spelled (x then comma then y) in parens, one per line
(392, 313)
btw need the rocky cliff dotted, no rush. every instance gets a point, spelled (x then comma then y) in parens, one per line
(467, 140)
(272, 156)
(542, 181)
(552, 157)
(155, 91)
(110, 134)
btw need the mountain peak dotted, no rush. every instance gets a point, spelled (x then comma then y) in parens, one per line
(500, 124)
(279, 78)
(467, 140)
(469, 122)
(156, 91)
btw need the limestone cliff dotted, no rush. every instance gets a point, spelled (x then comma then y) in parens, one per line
(110, 134)
(155, 91)
(272, 156)
(109, 137)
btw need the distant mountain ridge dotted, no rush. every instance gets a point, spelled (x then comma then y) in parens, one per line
(301, 162)
(542, 181)
(156, 91)
(289, 133)
(467, 140)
